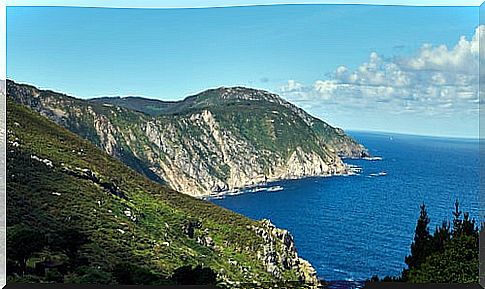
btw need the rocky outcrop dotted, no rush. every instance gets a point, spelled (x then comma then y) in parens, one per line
(275, 250)
(278, 252)
(219, 140)
(88, 174)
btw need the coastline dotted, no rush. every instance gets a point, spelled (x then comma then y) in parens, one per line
(268, 186)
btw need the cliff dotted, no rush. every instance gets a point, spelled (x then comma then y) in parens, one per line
(58, 182)
(219, 140)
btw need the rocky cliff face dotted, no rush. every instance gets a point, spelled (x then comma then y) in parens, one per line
(219, 140)
(211, 158)
(279, 251)
(71, 184)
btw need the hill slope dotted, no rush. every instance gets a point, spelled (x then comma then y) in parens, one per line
(58, 181)
(221, 139)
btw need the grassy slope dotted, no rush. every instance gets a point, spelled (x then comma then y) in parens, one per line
(161, 213)
(270, 127)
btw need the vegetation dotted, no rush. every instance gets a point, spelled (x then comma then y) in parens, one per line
(77, 215)
(449, 255)
(181, 142)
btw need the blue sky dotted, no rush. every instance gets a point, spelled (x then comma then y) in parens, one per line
(225, 3)
(294, 50)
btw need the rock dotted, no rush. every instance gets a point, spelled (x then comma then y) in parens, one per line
(87, 174)
(286, 257)
(130, 214)
(190, 226)
(46, 162)
(205, 241)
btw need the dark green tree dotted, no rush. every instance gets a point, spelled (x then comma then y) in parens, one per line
(457, 263)
(68, 241)
(186, 275)
(22, 243)
(469, 226)
(463, 226)
(453, 254)
(131, 274)
(422, 244)
(457, 222)
(442, 235)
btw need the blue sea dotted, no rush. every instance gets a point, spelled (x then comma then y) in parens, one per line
(354, 227)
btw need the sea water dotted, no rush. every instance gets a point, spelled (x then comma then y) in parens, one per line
(354, 227)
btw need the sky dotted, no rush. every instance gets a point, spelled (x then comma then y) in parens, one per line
(359, 67)
(3, 47)
(225, 3)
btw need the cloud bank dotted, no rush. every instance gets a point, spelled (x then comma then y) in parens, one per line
(436, 80)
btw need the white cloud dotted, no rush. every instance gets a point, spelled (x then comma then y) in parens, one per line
(435, 80)
(291, 86)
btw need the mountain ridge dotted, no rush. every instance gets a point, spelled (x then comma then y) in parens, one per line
(219, 140)
(57, 180)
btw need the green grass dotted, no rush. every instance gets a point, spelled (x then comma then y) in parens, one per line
(33, 199)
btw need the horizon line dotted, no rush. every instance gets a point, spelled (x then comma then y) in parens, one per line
(383, 132)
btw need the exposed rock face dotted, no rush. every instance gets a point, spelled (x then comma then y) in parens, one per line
(219, 140)
(215, 159)
(285, 256)
(70, 183)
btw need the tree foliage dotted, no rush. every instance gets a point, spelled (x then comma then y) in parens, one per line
(187, 275)
(131, 274)
(422, 244)
(450, 255)
(22, 243)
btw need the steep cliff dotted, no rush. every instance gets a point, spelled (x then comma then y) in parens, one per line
(57, 181)
(219, 140)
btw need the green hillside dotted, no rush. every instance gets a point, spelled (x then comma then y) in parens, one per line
(219, 140)
(61, 186)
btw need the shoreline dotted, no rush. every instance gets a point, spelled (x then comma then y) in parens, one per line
(269, 185)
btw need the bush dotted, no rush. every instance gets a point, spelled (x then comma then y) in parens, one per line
(53, 275)
(93, 275)
(199, 275)
(130, 274)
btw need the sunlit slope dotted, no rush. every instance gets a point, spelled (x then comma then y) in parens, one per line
(57, 181)
(221, 139)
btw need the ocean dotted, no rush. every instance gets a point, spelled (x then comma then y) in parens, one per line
(353, 227)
